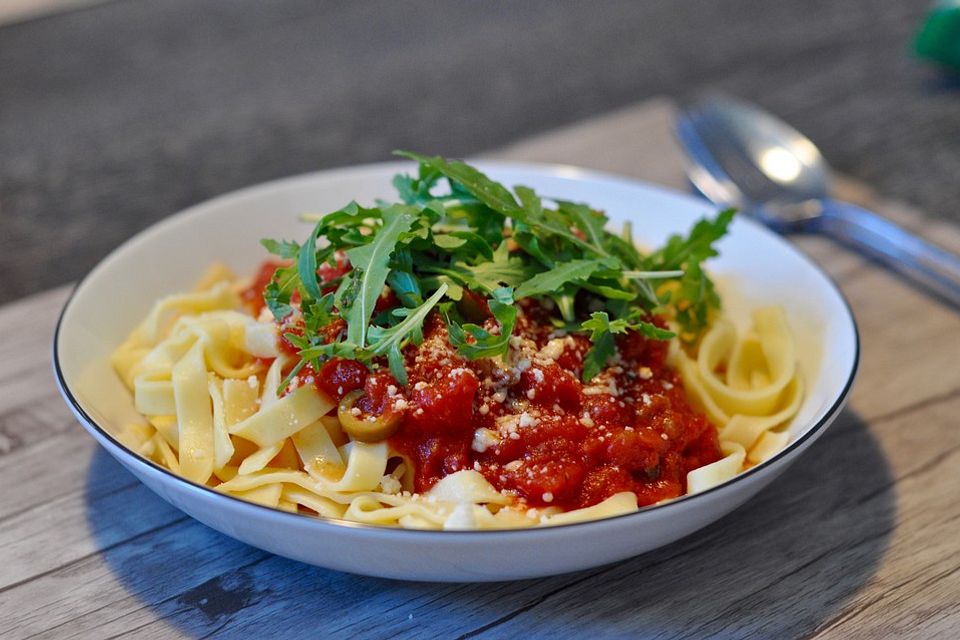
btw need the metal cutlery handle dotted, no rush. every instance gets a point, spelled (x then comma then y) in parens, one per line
(930, 266)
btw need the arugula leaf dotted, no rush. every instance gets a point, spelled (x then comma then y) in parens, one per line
(589, 221)
(289, 377)
(653, 275)
(490, 275)
(317, 313)
(693, 301)
(532, 205)
(564, 299)
(396, 364)
(333, 349)
(279, 290)
(375, 258)
(599, 324)
(602, 330)
(447, 241)
(412, 190)
(695, 296)
(610, 292)
(651, 330)
(384, 341)
(475, 243)
(493, 194)
(478, 235)
(550, 281)
(402, 280)
(307, 266)
(556, 224)
(281, 248)
(486, 344)
(696, 247)
(597, 357)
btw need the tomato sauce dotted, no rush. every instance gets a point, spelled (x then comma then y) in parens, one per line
(528, 423)
(534, 429)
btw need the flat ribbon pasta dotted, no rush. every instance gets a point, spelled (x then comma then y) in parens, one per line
(749, 386)
(206, 376)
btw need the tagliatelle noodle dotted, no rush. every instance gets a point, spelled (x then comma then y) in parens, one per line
(196, 369)
(749, 387)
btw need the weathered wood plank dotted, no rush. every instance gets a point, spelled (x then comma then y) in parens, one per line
(78, 522)
(55, 466)
(855, 541)
(27, 331)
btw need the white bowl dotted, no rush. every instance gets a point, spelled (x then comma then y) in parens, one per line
(756, 267)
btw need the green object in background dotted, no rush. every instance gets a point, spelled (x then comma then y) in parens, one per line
(939, 35)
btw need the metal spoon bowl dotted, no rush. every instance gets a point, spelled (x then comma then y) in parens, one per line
(744, 157)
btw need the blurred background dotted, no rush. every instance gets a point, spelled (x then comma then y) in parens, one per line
(116, 114)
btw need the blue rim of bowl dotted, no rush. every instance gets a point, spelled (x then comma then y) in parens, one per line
(557, 170)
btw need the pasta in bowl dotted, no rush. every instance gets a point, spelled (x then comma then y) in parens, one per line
(467, 358)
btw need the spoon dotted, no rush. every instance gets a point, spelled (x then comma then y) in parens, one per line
(746, 158)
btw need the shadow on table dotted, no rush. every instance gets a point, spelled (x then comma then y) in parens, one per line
(783, 565)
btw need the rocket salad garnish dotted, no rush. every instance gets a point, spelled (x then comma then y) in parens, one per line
(455, 234)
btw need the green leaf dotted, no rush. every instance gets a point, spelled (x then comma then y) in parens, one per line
(402, 280)
(610, 292)
(475, 244)
(478, 235)
(317, 313)
(589, 221)
(396, 364)
(625, 250)
(695, 247)
(602, 330)
(445, 241)
(502, 270)
(486, 344)
(555, 223)
(375, 258)
(433, 282)
(334, 349)
(652, 275)
(651, 330)
(307, 265)
(285, 249)
(695, 296)
(600, 323)
(382, 340)
(552, 280)
(352, 215)
(564, 300)
(493, 194)
(596, 358)
(530, 201)
(278, 291)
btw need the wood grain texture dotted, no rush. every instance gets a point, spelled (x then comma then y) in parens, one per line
(856, 540)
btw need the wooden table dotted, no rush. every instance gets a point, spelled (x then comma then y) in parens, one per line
(118, 114)
(858, 540)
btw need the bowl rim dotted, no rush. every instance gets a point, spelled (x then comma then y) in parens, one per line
(548, 169)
